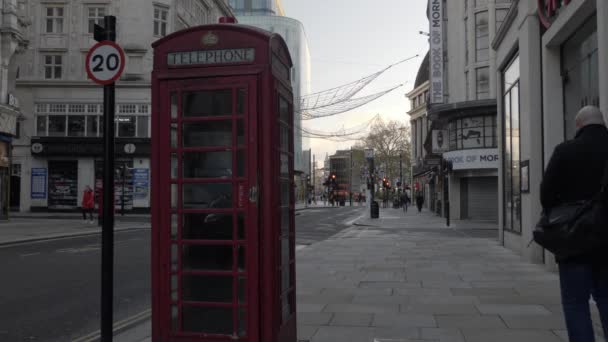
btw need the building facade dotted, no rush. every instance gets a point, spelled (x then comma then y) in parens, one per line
(269, 15)
(423, 161)
(12, 44)
(60, 150)
(548, 67)
(466, 110)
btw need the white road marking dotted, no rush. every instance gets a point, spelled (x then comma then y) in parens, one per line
(29, 254)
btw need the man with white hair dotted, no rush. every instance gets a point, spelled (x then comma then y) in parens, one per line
(574, 173)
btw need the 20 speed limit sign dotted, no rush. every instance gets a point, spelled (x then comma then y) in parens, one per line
(105, 62)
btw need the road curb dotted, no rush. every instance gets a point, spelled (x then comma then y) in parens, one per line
(63, 236)
(118, 327)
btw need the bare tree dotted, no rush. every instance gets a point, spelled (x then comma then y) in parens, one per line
(390, 141)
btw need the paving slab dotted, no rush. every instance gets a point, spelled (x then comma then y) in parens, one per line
(509, 335)
(352, 319)
(470, 321)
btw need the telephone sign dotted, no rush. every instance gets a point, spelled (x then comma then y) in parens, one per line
(105, 62)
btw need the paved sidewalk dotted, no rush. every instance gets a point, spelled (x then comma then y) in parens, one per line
(20, 230)
(408, 277)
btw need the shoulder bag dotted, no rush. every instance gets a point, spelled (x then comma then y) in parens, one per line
(576, 228)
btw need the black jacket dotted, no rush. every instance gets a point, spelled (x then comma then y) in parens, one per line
(575, 172)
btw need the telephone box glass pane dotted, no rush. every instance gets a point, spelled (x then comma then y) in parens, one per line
(207, 134)
(173, 196)
(285, 192)
(212, 289)
(284, 137)
(240, 101)
(240, 163)
(174, 317)
(240, 137)
(174, 250)
(173, 166)
(285, 221)
(241, 226)
(207, 103)
(242, 322)
(203, 196)
(285, 253)
(241, 259)
(173, 135)
(207, 164)
(207, 258)
(284, 165)
(242, 287)
(173, 106)
(207, 320)
(207, 227)
(173, 227)
(283, 109)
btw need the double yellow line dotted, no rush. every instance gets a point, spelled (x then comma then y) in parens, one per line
(117, 326)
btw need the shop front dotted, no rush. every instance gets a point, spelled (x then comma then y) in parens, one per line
(548, 68)
(61, 170)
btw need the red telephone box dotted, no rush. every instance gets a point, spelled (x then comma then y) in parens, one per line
(223, 240)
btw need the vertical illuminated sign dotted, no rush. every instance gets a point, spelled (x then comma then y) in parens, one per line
(436, 56)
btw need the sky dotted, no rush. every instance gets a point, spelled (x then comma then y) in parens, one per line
(349, 40)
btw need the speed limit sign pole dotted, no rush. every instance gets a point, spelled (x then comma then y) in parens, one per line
(104, 65)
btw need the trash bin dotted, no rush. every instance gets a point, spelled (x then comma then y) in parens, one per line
(375, 210)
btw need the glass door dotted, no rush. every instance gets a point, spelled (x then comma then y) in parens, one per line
(211, 222)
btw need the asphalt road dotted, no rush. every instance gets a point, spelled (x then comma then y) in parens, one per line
(50, 291)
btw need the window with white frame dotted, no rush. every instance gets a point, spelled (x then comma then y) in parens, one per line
(53, 67)
(95, 15)
(86, 120)
(54, 19)
(161, 15)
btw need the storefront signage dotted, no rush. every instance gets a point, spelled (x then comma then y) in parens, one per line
(549, 9)
(473, 159)
(436, 54)
(210, 57)
(38, 183)
(140, 183)
(85, 148)
(8, 123)
(440, 141)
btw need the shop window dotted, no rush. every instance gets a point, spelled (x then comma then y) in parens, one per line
(92, 124)
(142, 127)
(580, 71)
(63, 184)
(126, 126)
(76, 125)
(41, 125)
(472, 132)
(511, 157)
(57, 125)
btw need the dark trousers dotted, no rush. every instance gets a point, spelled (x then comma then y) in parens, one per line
(85, 211)
(578, 283)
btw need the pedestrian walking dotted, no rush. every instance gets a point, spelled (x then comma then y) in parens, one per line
(419, 200)
(404, 201)
(574, 173)
(88, 204)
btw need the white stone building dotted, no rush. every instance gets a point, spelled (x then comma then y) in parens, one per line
(549, 65)
(60, 150)
(12, 43)
(467, 112)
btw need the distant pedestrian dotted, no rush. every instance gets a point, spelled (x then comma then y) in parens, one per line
(419, 200)
(88, 204)
(405, 199)
(582, 159)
